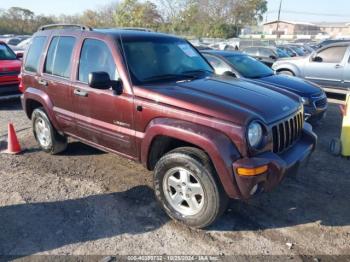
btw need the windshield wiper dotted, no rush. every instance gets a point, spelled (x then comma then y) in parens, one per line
(201, 71)
(168, 76)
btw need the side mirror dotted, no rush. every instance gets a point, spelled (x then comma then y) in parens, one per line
(99, 80)
(293, 55)
(117, 86)
(19, 55)
(317, 59)
(273, 57)
(230, 74)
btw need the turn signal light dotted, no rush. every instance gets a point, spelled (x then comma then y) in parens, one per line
(242, 171)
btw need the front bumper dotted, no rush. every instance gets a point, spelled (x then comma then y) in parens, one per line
(9, 91)
(279, 165)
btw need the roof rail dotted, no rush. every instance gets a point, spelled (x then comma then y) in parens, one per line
(136, 29)
(63, 26)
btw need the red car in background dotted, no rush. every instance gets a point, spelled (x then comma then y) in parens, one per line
(10, 68)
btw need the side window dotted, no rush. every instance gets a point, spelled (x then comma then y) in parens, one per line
(251, 51)
(219, 65)
(332, 54)
(95, 56)
(34, 53)
(59, 57)
(265, 52)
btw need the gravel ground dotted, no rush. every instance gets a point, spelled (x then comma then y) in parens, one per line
(87, 202)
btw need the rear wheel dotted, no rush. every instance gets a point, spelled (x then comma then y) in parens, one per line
(286, 72)
(46, 135)
(186, 185)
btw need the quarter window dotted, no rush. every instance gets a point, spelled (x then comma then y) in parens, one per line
(59, 56)
(34, 53)
(332, 54)
(95, 56)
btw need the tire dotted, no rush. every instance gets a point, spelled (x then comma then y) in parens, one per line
(286, 72)
(211, 201)
(335, 147)
(51, 142)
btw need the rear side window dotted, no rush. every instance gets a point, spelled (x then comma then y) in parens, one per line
(96, 57)
(34, 53)
(332, 54)
(59, 57)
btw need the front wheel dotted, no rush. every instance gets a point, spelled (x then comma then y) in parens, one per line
(186, 186)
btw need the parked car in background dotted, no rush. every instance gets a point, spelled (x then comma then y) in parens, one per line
(245, 67)
(331, 41)
(329, 66)
(289, 51)
(154, 99)
(297, 49)
(21, 47)
(10, 67)
(267, 55)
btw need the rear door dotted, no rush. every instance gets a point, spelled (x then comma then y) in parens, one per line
(56, 79)
(326, 67)
(102, 117)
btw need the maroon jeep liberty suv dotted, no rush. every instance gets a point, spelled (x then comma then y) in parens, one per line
(155, 99)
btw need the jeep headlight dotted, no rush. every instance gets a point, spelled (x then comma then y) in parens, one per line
(255, 134)
(305, 101)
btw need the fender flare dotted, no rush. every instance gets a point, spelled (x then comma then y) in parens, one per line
(289, 67)
(42, 98)
(217, 145)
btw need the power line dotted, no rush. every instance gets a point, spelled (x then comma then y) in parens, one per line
(309, 13)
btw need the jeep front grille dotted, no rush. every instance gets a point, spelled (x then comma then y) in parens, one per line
(286, 132)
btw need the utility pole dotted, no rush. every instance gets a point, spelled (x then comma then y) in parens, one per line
(278, 20)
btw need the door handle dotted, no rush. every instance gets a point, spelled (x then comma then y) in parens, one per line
(338, 66)
(78, 92)
(43, 82)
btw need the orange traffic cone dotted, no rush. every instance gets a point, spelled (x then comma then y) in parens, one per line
(13, 146)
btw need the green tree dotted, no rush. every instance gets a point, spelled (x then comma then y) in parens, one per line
(132, 13)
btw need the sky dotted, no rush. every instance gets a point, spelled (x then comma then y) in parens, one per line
(293, 10)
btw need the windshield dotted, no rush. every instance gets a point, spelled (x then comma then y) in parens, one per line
(249, 67)
(159, 59)
(6, 53)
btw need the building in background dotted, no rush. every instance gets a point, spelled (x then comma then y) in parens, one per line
(334, 30)
(290, 28)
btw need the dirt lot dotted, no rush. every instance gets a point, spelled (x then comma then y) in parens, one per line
(85, 201)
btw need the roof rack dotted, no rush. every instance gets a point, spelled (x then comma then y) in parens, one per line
(63, 26)
(136, 29)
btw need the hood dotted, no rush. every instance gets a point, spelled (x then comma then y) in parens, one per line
(226, 98)
(10, 65)
(293, 84)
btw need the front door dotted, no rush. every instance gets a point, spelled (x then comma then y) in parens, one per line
(102, 117)
(326, 67)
